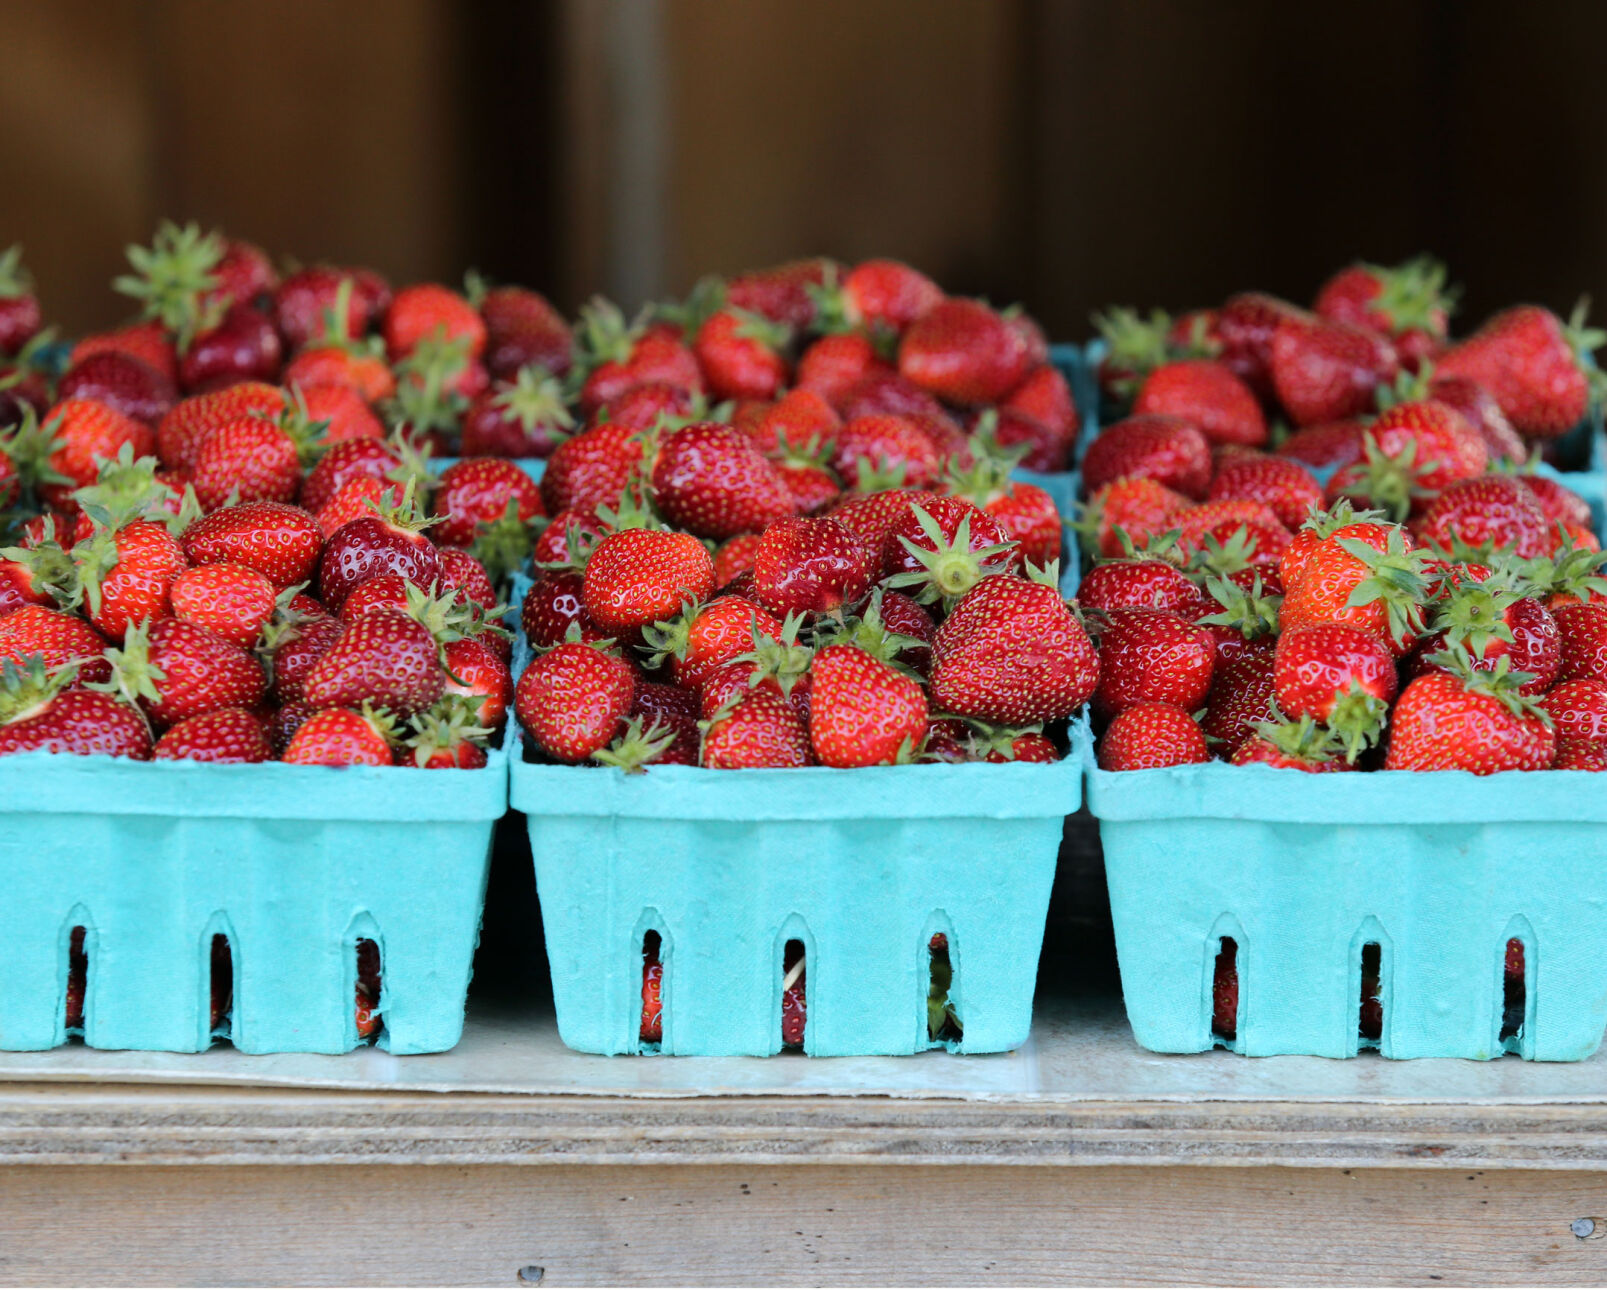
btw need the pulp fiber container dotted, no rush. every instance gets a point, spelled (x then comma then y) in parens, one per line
(1437, 870)
(292, 864)
(863, 867)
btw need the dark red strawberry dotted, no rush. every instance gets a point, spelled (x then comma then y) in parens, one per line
(592, 469)
(20, 316)
(1583, 629)
(1533, 363)
(1329, 444)
(965, 353)
(705, 637)
(147, 341)
(477, 492)
(385, 659)
(120, 381)
(885, 450)
(390, 541)
(222, 735)
(811, 566)
(863, 712)
(523, 330)
(1148, 736)
(617, 358)
(1244, 328)
(56, 639)
(278, 540)
(1208, 395)
(1166, 449)
(175, 670)
(524, 416)
(1488, 621)
(191, 420)
(1286, 488)
(293, 646)
(1578, 709)
(242, 347)
(942, 548)
(1130, 511)
(1482, 412)
(1152, 656)
(759, 729)
(1492, 510)
(305, 303)
(1242, 697)
(710, 480)
(1140, 582)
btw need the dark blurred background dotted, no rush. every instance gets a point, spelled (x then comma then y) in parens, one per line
(1069, 154)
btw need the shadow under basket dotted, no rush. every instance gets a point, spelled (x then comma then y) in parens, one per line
(735, 879)
(1343, 912)
(237, 901)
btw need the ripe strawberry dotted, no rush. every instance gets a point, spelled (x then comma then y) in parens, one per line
(20, 316)
(553, 602)
(638, 577)
(279, 541)
(187, 424)
(1445, 448)
(1206, 394)
(147, 341)
(1227, 535)
(445, 738)
(616, 359)
(1140, 582)
(306, 303)
(880, 295)
(248, 459)
(86, 434)
(1481, 411)
(223, 735)
(964, 352)
(1362, 575)
(390, 541)
(476, 672)
(884, 449)
(344, 462)
(1166, 449)
(1133, 510)
(863, 712)
(464, 575)
(759, 729)
(1491, 511)
(794, 1001)
(56, 639)
(801, 421)
(1152, 656)
(1283, 486)
(1024, 512)
(343, 413)
(592, 469)
(1486, 622)
(1244, 328)
(1327, 444)
(740, 355)
(887, 394)
(1341, 676)
(243, 346)
(703, 638)
(1292, 745)
(127, 575)
(572, 699)
(1325, 371)
(121, 382)
(1148, 736)
(1408, 303)
(341, 737)
(174, 670)
(523, 330)
(477, 492)
(229, 600)
(1583, 631)
(785, 293)
(293, 646)
(1533, 364)
(1012, 652)
(1578, 709)
(1461, 719)
(430, 310)
(383, 658)
(341, 363)
(569, 537)
(815, 566)
(871, 516)
(944, 547)
(834, 366)
(524, 418)
(1579, 754)
(711, 480)
(383, 591)
(1241, 698)
(40, 713)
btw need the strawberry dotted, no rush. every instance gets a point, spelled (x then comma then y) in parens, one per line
(1152, 656)
(1046, 398)
(1578, 709)
(242, 346)
(569, 537)
(1041, 448)
(388, 540)
(383, 658)
(572, 699)
(1011, 651)
(616, 359)
(1341, 676)
(592, 469)
(174, 670)
(801, 421)
(1408, 303)
(1327, 444)
(1445, 447)
(834, 366)
(1486, 622)
(1292, 745)
(711, 480)
(121, 382)
(279, 541)
(705, 637)
(1558, 502)
(445, 738)
(181, 432)
(1583, 631)
(1245, 326)
(56, 639)
(1148, 736)
(794, 1002)
(341, 737)
(127, 575)
(1206, 394)
(1140, 582)
(880, 296)
(293, 646)
(1227, 535)
(651, 1029)
(784, 293)
(1241, 612)
(477, 492)
(1579, 754)
(342, 411)
(758, 729)
(476, 672)
(812, 488)
(522, 417)
(637, 577)
(863, 712)
(944, 547)
(1481, 411)
(147, 341)
(222, 735)
(871, 516)
(523, 330)
(804, 566)
(243, 273)
(85, 434)
(884, 448)
(1132, 510)
(1462, 719)
(1166, 449)
(20, 316)
(1003, 746)
(342, 363)
(1325, 371)
(464, 575)
(430, 310)
(887, 394)
(1241, 698)
(1134, 347)
(344, 462)
(46, 712)
(1362, 575)
(1534, 365)
(229, 600)
(1494, 511)
(246, 459)
(1286, 488)
(740, 355)
(306, 303)
(1025, 513)
(964, 352)
(554, 601)
(383, 591)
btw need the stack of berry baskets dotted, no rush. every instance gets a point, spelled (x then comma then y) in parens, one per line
(1344, 754)
(252, 691)
(796, 782)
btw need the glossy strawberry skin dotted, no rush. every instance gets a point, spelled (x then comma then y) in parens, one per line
(1244, 327)
(302, 300)
(476, 491)
(862, 711)
(1243, 695)
(572, 700)
(422, 310)
(1208, 395)
(243, 347)
(294, 656)
(1316, 665)
(1578, 709)
(225, 735)
(122, 382)
(1166, 449)
(186, 425)
(201, 673)
(1148, 736)
(1535, 647)
(230, 600)
(90, 432)
(368, 546)
(710, 480)
(474, 669)
(718, 632)
(249, 457)
(1445, 447)
(888, 443)
(1583, 631)
(462, 573)
(760, 730)
(338, 737)
(385, 659)
(278, 540)
(1286, 488)
(147, 341)
(1152, 656)
(1522, 356)
(1140, 584)
(139, 585)
(1492, 509)
(638, 577)
(1327, 371)
(80, 722)
(554, 601)
(1439, 724)
(965, 353)
(523, 328)
(592, 469)
(889, 294)
(810, 565)
(56, 638)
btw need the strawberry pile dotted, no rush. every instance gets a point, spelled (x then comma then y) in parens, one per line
(1358, 645)
(1258, 410)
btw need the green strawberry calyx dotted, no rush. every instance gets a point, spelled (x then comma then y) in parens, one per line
(868, 631)
(1304, 740)
(450, 724)
(1570, 571)
(1250, 612)
(14, 279)
(1473, 616)
(536, 398)
(27, 689)
(502, 545)
(134, 676)
(949, 567)
(172, 279)
(1396, 578)
(426, 397)
(1498, 682)
(636, 747)
(1325, 523)
(1413, 296)
(671, 637)
(785, 658)
(1137, 346)
(1357, 720)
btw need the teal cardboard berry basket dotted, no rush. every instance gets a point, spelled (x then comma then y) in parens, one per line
(860, 867)
(1423, 877)
(292, 865)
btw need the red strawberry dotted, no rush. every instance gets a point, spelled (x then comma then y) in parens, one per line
(40, 714)
(944, 547)
(1026, 513)
(703, 638)
(247, 458)
(445, 738)
(363, 548)
(1241, 698)
(881, 295)
(127, 575)
(1134, 346)
(760, 729)
(147, 341)
(279, 541)
(812, 488)
(1292, 745)
(384, 658)
(1244, 328)
(1042, 448)
(384, 591)
(1326, 371)
(467, 577)
(475, 671)
(784, 293)
(871, 516)
(1362, 575)
(1485, 623)
(885, 448)
(523, 330)
(800, 421)
(965, 353)
(572, 700)
(1329, 443)
(1135, 509)
(229, 600)
(223, 735)
(1140, 583)
(56, 639)
(711, 480)
(617, 358)
(1148, 736)
(651, 1030)
(1578, 709)
(1494, 510)
(863, 712)
(1461, 719)
(1444, 447)
(1579, 754)
(1166, 449)
(1011, 651)
(431, 310)
(526, 418)
(811, 566)
(1152, 656)
(187, 424)
(475, 493)
(569, 537)
(243, 346)
(554, 601)
(1479, 407)
(740, 355)
(121, 382)
(1208, 395)
(1533, 364)
(1408, 303)
(1341, 676)
(295, 646)
(175, 670)
(1583, 629)
(794, 1002)
(20, 316)
(343, 412)
(638, 577)
(592, 469)
(834, 366)
(1287, 489)
(341, 737)
(342, 364)
(306, 302)
(1046, 398)
(86, 434)
(344, 462)
(887, 394)
(1559, 503)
